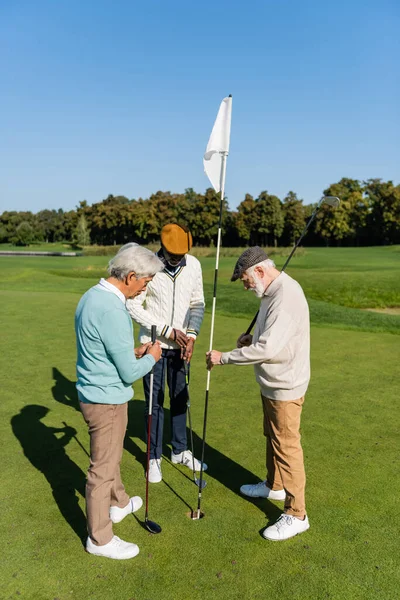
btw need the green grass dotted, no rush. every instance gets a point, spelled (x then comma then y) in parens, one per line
(338, 282)
(40, 247)
(350, 439)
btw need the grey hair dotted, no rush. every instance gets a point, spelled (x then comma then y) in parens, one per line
(267, 264)
(138, 259)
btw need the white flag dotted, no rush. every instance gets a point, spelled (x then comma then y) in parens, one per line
(218, 142)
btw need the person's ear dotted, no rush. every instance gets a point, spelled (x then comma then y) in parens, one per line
(259, 271)
(130, 277)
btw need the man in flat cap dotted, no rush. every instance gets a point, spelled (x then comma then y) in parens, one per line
(174, 302)
(280, 353)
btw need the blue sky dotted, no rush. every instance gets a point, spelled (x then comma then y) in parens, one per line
(100, 97)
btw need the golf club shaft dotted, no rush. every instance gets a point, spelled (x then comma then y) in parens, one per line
(187, 367)
(311, 219)
(202, 448)
(149, 421)
(148, 463)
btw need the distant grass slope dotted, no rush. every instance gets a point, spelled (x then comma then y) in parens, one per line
(337, 282)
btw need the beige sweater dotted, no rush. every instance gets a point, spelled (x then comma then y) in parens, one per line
(280, 351)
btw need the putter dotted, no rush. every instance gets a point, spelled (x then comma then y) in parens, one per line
(197, 481)
(330, 201)
(150, 525)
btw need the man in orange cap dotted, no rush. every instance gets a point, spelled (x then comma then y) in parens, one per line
(174, 302)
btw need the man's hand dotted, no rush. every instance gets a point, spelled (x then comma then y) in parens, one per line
(155, 350)
(213, 358)
(179, 337)
(244, 339)
(187, 354)
(141, 350)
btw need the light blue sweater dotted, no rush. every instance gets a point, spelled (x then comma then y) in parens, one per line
(106, 365)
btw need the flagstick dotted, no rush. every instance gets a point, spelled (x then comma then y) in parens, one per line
(222, 186)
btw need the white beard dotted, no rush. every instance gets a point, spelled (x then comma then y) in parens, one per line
(258, 288)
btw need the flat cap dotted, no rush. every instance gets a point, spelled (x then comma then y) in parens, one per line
(250, 257)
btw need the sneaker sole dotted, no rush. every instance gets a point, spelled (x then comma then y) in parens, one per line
(264, 497)
(154, 480)
(113, 557)
(289, 538)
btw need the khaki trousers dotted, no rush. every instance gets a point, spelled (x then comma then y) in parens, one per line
(285, 463)
(107, 426)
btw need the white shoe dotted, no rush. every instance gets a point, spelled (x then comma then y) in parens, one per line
(262, 490)
(186, 458)
(155, 474)
(286, 527)
(117, 549)
(117, 514)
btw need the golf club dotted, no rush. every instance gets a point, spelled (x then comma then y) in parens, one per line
(197, 481)
(330, 201)
(150, 525)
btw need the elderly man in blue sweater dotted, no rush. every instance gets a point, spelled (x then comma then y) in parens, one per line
(107, 365)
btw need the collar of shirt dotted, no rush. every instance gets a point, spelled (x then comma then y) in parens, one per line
(171, 269)
(109, 287)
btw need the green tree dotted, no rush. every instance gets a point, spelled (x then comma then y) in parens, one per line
(247, 220)
(294, 219)
(203, 217)
(384, 215)
(51, 225)
(81, 235)
(346, 222)
(24, 234)
(69, 223)
(270, 218)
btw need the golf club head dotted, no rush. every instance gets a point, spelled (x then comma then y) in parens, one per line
(203, 482)
(331, 201)
(152, 526)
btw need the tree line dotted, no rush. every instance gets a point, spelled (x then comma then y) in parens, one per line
(369, 214)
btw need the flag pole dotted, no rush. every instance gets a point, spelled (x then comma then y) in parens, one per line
(224, 154)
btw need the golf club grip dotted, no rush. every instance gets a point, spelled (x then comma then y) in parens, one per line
(153, 333)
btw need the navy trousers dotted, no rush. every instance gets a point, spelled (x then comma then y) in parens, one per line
(172, 367)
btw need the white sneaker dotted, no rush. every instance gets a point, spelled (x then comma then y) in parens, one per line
(186, 458)
(286, 527)
(117, 514)
(155, 474)
(262, 490)
(117, 549)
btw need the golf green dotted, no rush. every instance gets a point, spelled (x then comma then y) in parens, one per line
(350, 430)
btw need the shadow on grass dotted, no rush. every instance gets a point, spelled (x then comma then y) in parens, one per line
(64, 390)
(220, 467)
(46, 452)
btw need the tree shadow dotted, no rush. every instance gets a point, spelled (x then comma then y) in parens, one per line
(46, 452)
(220, 467)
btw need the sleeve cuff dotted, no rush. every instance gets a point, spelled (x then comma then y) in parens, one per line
(151, 359)
(191, 333)
(225, 358)
(166, 331)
